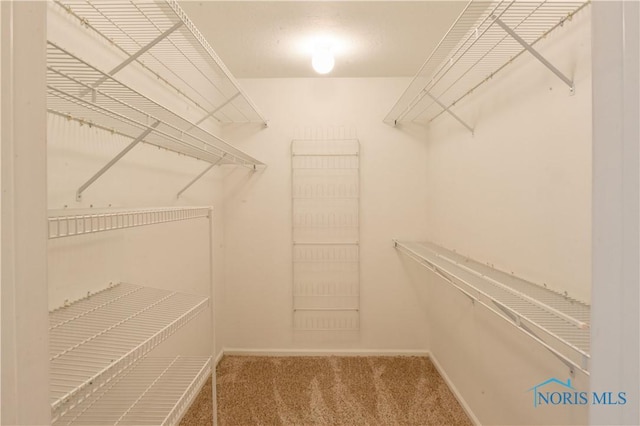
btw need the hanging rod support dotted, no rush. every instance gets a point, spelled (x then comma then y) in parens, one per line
(535, 53)
(211, 166)
(447, 109)
(218, 108)
(114, 160)
(136, 55)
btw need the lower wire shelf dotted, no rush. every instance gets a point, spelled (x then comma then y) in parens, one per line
(95, 339)
(556, 321)
(150, 391)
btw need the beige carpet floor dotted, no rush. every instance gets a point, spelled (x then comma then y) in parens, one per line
(328, 391)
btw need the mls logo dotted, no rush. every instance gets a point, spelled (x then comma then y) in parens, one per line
(556, 392)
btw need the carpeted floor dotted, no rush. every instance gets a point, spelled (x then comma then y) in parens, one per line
(328, 391)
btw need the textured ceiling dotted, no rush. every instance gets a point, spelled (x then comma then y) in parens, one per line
(259, 39)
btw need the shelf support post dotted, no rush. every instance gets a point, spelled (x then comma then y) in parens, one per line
(535, 53)
(114, 160)
(447, 109)
(211, 166)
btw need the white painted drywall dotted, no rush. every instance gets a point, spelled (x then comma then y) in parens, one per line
(615, 326)
(24, 323)
(257, 297)
(516, 194)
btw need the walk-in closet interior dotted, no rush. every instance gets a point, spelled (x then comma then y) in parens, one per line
(389, 204)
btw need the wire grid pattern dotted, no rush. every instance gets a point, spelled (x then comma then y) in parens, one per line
(151, 391)
(77, 90)
(183, 59)
(474, 49)
(95, 338)
(326, 265)
(553, 299)
(550, 313)
(66, 226)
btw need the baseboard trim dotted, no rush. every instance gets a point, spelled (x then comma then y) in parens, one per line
(454, 390)
(218, 358)
(323, 352)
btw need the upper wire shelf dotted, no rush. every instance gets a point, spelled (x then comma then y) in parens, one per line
(79, 224)
(486, 37)
(558, 322)
(159, 36)
(92, 340)
(113, 106)
(151, 391)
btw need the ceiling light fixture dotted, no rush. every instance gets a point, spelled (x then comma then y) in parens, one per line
(323, 60)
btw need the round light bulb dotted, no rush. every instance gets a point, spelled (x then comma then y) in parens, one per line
(323, 61)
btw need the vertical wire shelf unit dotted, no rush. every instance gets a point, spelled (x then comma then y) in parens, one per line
(326, 233)
(98, 344)
(158, 39)
(556, 321)
(486, 37)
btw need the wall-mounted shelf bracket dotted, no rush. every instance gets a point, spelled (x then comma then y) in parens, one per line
(211, 166)
(218, 108)
(517, 320)
(136, 55)
(448, 110)
(114, 160)
(535, 53)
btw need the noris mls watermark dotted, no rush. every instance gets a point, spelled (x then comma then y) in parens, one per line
(556, 392)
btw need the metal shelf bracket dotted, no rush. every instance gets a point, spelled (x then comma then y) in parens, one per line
(211, 166)
(218, 108)
(115, 159)
(448, 110)
(535, 53)
(136, 55)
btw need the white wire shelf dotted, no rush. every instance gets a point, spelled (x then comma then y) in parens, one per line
(476, 47)
(71, 225)
(92, 340)
(159, 36)
(72, 92)
(151, 391)
(558, 322)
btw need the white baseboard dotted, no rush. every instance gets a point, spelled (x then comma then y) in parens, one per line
(218, 358)
(323, 352)
(454, 390)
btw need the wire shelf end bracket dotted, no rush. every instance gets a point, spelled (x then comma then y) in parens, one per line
(535, 53)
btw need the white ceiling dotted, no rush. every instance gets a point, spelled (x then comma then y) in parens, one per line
(258, 39)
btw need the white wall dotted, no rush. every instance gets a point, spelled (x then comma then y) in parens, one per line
(517, 194)
(615, 326)
(257, 297)
(24, 350)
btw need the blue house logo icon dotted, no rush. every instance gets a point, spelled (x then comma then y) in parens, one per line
(538, 396)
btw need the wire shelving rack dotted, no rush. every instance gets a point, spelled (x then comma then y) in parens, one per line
(151, 391)
(556, 321)
(160, 37)
(486, 37)
(93, 340)
(72, 225)
(72, 92)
